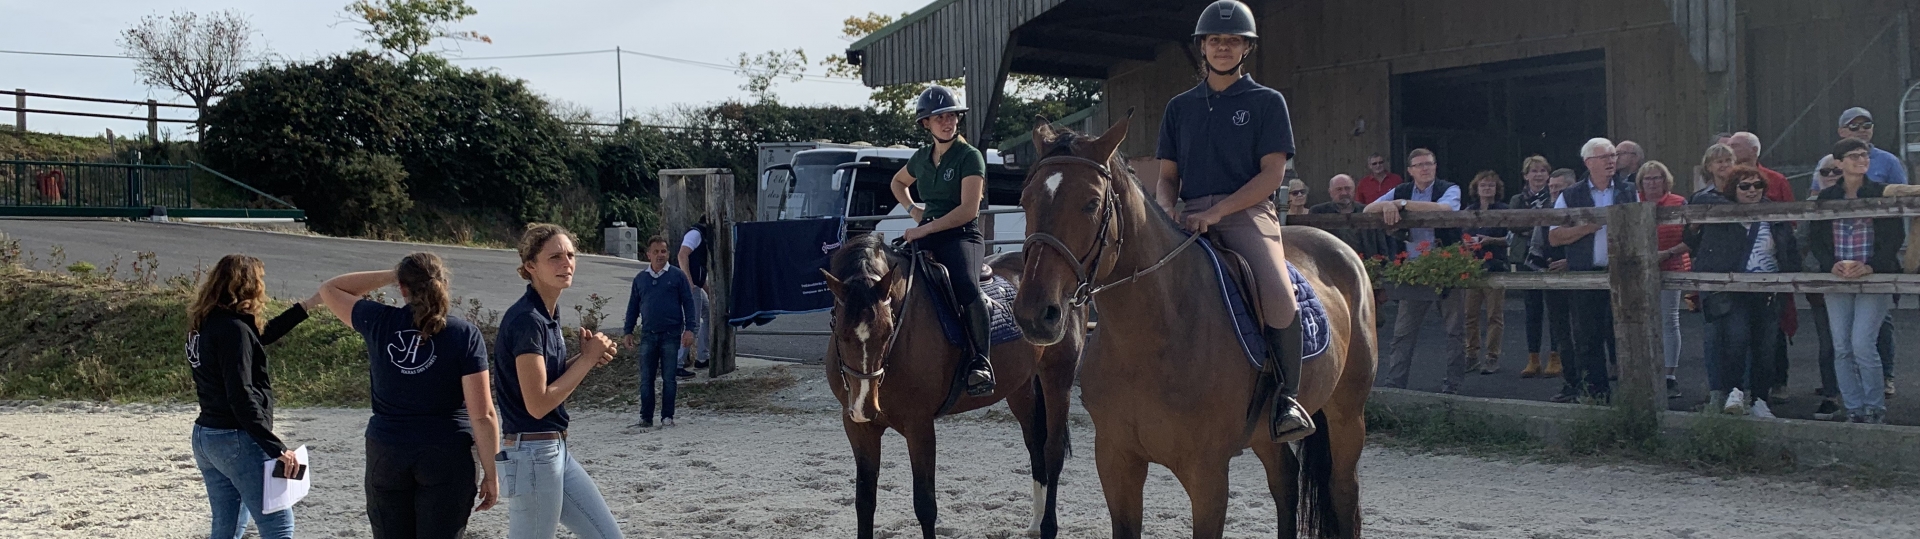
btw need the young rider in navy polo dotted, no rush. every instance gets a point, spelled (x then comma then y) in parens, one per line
(1224, 147)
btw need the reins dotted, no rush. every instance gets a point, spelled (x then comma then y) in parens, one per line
(1085, 268)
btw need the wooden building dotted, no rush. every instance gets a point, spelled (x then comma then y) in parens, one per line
(1483, 83)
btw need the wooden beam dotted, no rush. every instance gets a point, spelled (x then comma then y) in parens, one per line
(1537, 280)
(1803, 283)
(1457, 219)
(1057, 69)
(719, 206)
(1895, 206)
(1634, 271)
(1075, 40)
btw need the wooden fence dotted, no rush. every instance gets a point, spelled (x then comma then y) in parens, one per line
(1633, 274)
(153, 119)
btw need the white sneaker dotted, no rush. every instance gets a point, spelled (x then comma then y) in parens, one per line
(1736, 402)
(1760, 409)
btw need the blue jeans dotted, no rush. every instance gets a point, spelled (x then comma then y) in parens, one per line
(656, 359)
(231, 465)
(1855, 320)
(702, 350)
(546, 488)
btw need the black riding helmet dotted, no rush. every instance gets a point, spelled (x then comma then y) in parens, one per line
(1226, 17)
(934, 101)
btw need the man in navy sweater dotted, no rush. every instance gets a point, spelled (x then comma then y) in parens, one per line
(662, 300)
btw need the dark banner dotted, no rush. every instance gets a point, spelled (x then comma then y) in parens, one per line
(776, 268)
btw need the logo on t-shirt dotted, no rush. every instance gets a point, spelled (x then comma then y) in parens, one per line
(411, 353)
(193, 349)
(946, 175)
(1240, 117)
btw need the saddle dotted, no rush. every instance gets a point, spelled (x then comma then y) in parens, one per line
(1242, 296)
(997, 292)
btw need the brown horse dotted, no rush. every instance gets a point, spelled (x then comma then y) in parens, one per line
(1164, 379)
(892, 368)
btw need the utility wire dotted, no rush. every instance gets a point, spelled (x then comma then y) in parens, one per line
(682, 61)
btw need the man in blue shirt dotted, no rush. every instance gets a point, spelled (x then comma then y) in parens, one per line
(662, 300)
(1886, 168)
(1425, 193)
(1224, 147)
(1587, 251)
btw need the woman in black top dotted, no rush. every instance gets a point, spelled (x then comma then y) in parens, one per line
(1490, 243)
(432, 401)
(1741, 326)
(952, 176)
(234, 433)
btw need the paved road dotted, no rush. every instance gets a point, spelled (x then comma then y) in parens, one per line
(296, 265)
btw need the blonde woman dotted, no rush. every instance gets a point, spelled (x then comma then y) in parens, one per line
(226, 343)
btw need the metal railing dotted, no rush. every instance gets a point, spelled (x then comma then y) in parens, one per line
(94, 185)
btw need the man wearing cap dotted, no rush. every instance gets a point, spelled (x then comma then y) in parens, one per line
(1857, 123)
(1223, 151)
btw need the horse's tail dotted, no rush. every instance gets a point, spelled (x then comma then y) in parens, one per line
(1316, 482)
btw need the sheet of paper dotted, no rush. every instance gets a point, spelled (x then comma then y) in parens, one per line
(281, 494)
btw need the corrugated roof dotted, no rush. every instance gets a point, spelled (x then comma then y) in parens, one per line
(911, 18)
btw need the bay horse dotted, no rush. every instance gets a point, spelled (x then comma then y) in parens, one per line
(1163, 377)
(891, 367)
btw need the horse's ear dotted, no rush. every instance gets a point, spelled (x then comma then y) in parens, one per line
(1042, 134)
(838, 288)
(885, 286)
(1104, 147)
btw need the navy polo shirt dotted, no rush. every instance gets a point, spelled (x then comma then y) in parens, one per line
(527, 328)
(417, 394)
(1218, 138)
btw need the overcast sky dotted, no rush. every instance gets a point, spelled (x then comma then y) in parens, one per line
(708, 31)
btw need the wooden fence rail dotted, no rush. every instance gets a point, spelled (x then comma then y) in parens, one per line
(153, 119)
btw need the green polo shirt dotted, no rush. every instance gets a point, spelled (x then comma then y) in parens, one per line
(940, 184)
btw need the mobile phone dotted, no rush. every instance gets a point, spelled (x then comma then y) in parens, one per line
(280, 470)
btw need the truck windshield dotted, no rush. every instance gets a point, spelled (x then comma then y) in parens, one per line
(817, 191)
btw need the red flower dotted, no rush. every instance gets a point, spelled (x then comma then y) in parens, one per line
(1466, 237)
(1446, 254)
(1463, 276)
(1401, 256)
(1486, 255)
(1424, 245)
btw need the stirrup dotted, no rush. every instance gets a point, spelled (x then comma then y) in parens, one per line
(1290, 422)
(980, 382)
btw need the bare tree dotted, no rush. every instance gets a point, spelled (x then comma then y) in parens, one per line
(200, 57)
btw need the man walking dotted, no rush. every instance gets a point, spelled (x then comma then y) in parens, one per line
(662, 301)
(1425, 193)
(1587, 251)
(693, 260)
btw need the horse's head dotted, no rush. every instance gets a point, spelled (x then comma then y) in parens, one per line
(863, 278)
(1073, 213)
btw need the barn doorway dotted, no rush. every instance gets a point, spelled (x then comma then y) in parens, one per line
(1491, 116)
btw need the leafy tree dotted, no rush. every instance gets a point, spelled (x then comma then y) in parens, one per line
(767, 68)
(201, 57)
(406, 27)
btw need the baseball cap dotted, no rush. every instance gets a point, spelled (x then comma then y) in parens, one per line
(1856, 112)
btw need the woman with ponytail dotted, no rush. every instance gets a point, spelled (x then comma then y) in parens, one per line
(433, 415)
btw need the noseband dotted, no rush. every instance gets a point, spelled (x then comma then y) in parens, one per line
(899, 313)
(1085, 268)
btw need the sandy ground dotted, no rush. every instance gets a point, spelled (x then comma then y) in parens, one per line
(88, 470)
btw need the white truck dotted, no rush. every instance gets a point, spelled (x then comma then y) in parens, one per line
(852, 180)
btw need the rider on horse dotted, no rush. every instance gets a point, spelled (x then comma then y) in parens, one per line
(956, 182)
(1224, 147)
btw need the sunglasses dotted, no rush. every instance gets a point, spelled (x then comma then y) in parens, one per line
(1377, 163)
(1297, 193)
(1829, 172)
(1860, 126)
(1752, 186)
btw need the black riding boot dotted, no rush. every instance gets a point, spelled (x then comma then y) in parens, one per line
(1290, 421)
(979, 335)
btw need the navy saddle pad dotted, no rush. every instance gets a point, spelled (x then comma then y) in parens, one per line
(1314, 336)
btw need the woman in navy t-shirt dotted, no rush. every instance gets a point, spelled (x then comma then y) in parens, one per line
(432, 401)
(544, 486)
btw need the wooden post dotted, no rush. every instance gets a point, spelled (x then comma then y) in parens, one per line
(720, 277)
(1634, 271)
(20, 110)
(153, 121)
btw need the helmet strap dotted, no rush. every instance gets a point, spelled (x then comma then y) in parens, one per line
(1235, 70)
(949, 140)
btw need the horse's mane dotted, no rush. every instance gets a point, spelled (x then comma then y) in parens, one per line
(859, 264)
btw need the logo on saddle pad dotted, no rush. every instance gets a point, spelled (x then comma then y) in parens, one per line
(1240, 117)
(407, 353)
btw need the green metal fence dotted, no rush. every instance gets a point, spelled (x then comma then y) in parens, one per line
(67, 189)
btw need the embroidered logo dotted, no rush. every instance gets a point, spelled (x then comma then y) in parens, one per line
(946, 175)
(829, 247)
(407, 353)
(193, 349)
(1240, 117)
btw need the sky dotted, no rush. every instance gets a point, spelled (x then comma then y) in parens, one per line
(706, 31)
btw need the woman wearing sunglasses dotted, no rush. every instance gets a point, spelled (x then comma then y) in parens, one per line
(1852, 249)
(1741, 325)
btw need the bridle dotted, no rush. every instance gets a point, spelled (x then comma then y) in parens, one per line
(1085, 268)
(899, 313)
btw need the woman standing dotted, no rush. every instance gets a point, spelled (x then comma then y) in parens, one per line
(1531, 197)
(955, 181)
(1851, 249)
(432, 401)
(234, 433)
(1742, 325)
(1491, 242)
(1656, 185)
(544, 486)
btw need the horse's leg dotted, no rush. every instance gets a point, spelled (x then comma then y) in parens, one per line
(1123, 476)
(1205, 478)
(1347, 438)
(1056, 394)
(1033, 429)
(865, 438)
(1283, 482)
(920, 453)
